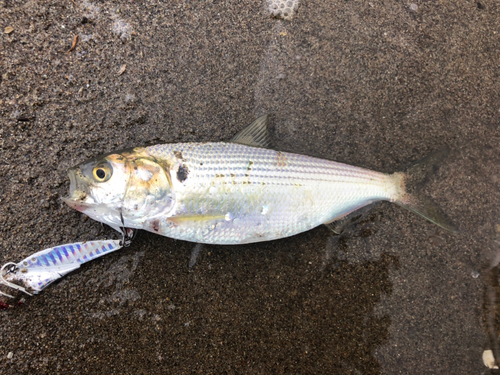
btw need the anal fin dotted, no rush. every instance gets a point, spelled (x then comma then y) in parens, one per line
(340, 224)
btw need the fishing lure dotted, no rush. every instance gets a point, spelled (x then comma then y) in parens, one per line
(42, 268)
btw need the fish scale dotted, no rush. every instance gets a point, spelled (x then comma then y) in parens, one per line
(267, 194)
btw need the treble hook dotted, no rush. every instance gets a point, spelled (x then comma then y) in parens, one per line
(11, 268)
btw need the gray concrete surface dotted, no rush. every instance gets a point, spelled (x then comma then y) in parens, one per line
(376, 84)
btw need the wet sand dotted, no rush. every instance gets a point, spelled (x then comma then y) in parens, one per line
(378, 85)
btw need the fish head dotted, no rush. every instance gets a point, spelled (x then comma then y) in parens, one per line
(98, 187)
(121, 189)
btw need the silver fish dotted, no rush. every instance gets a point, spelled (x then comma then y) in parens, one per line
(235, 192)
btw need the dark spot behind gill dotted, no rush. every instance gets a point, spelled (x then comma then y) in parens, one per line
(182, 173)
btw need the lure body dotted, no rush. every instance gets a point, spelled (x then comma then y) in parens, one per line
(40, 269)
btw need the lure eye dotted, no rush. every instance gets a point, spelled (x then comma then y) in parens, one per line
(102, 172)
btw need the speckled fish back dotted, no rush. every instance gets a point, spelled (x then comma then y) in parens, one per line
(229, 193)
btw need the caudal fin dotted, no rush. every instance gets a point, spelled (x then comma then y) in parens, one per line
(410, 197)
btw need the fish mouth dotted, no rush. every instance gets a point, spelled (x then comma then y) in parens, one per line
(72, 181)
(78, 190)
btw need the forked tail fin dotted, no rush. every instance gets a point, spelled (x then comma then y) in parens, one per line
(410, 197)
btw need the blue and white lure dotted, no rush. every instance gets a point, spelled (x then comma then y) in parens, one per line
(42, 268)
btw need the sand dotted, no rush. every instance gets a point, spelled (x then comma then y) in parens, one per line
(376, 84)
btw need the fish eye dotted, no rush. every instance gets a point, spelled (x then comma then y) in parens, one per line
(102, 172)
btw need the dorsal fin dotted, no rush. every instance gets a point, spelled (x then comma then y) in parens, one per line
(256, 134)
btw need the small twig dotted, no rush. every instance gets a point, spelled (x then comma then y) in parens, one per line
(122, 69)
(75, 40)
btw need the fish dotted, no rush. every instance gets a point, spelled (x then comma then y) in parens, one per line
(238, 192)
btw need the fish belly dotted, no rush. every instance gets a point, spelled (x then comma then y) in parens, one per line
(235, 194)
